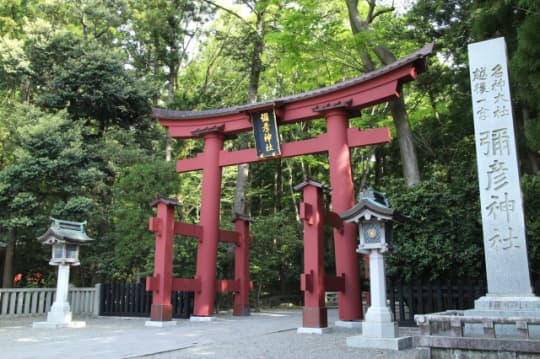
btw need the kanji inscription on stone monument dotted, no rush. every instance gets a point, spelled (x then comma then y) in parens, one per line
(500, 192)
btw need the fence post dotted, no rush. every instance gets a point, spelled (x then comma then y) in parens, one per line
(97, 299)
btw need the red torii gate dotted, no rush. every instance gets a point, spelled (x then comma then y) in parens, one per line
(334, 103)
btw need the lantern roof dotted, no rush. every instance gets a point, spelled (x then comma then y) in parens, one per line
(65, 231)
(372, 203)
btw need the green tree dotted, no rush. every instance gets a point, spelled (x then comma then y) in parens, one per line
(247, 47)
(443, 238)
(451, 24)
(162, 33)
(13, 14)
(131, 245)
(14, 69)
(158, 39)
(93, 84)
(276, 252)
(370, 45)
(53, 174)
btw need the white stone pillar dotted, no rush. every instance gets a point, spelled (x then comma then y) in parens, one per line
(379, 321)
(60, 311)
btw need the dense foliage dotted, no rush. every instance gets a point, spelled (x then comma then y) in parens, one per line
(78, 80)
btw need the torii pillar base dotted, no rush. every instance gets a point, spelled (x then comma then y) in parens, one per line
(304, 330)
(52, 325)
(161, 312)
(197, 318)
(349, 324)
(160, 316)
(160, 324)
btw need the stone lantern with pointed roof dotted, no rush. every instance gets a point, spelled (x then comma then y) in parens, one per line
(65, 238)
(375, 217)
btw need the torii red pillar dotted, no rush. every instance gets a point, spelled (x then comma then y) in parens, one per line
(345, 241)
(161, 282)
(312, 281)
(210, 208)
(241, 267)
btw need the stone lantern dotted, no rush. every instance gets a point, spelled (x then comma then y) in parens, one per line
(65, 238)
(375, 217)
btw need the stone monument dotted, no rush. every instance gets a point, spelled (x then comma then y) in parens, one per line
(505, 322)
(505, 248)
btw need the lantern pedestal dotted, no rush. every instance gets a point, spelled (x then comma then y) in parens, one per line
(379, 320)
(379, 329)
(60, 314)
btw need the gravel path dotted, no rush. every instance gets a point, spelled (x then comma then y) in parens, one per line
(269, 334)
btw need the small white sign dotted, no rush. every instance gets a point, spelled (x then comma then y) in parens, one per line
(500, 192)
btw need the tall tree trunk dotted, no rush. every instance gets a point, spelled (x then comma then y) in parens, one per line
(242, 182)
(278, 184)
(532, 164)
(7, 278)
(292, 191)
(170, 97)
(409, 159)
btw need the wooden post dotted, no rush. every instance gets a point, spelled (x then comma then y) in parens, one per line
(345, 241)
(161, 283)
(241, 267)
(312, 281)
(210, 207)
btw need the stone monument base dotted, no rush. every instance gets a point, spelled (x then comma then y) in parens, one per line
(506, 306)
(453, 334)
(495, 306)
(360, 341)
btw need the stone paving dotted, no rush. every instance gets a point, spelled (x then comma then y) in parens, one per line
(268, 334)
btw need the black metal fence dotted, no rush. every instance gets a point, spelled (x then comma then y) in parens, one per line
(408, 299)
(132, 300)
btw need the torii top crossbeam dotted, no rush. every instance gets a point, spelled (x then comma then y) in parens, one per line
(360, 92)
(353, 95)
